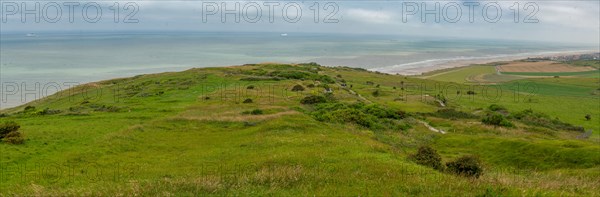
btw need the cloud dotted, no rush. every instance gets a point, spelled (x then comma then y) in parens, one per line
(370, 16)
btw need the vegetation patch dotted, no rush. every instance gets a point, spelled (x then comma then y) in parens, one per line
(313, 99)
(372, 116)
(542, 120)
(497, 119)
(9, 133)
(468, 165)
(428, 156)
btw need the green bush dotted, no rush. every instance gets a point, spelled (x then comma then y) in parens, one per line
(376, 93)
(542, 120)
(29, 108)
(370, 116)
(48, 111)
(14, 137)
(313, 99)
(248, 100)
(496, 120)
(469, 166)
(7, 127)
(297, 88)
(254, 112)
(495, 107)
(428, 156)
(290, 74)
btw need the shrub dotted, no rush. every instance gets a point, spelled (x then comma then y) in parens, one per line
(290, 74)
(542, 120)
(248, 100)
(29, 108)
(376, 93)
(325, 79)
(105, 108)
(313, 99)
(381, 112)
(297, 88)
(495, 107)
(428, 156)
(370, 116)
(8, 127)
(13, 137)
(469, 166)
(496, 120)
(310, 85)
(254, 112)
(588, 117)
(250, 87)
(470, 92)
(441, 98)
(260, 79)
(48, 111)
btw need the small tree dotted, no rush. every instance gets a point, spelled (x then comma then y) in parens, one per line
(297, 88)
(588, 117)
(428, 156)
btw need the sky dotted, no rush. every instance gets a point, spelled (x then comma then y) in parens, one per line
(552, 21)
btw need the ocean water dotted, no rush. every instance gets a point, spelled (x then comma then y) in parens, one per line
(58, 58)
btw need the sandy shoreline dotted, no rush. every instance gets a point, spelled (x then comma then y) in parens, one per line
(418, 68)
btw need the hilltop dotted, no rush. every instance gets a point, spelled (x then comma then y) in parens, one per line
(305, 129)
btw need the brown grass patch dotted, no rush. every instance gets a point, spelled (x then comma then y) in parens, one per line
(542, 66)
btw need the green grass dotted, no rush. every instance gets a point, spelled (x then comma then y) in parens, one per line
(470, 74)
(584, 73)
(186, 134)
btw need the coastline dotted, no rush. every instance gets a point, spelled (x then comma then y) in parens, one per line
(422, 67)
(408, 69)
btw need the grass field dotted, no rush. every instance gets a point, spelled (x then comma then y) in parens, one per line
(541, 67)
(195, 133)
(470, 74)
(592, 73)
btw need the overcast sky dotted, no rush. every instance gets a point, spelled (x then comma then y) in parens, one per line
(558, 21)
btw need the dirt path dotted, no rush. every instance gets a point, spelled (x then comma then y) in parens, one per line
(432, 128)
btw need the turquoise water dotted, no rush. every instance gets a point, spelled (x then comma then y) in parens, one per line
(81, 58)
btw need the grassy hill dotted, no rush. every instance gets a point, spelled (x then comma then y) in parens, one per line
(242, 130)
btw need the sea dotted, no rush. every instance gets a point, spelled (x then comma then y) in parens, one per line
(33, 65)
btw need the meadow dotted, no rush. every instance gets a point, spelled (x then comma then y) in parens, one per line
(250, 130)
